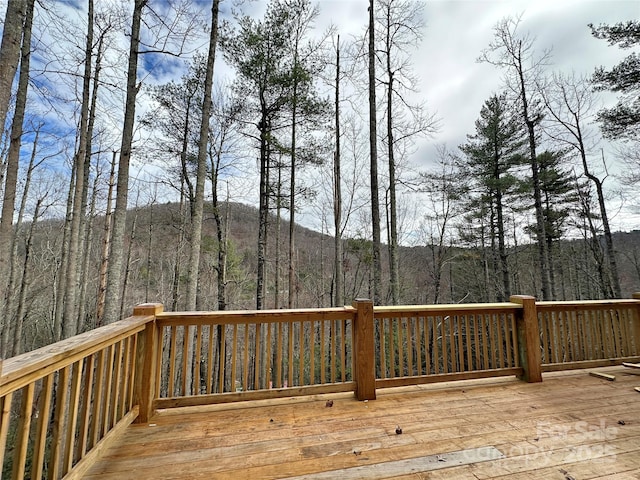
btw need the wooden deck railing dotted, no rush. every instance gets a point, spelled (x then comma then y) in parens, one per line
(213, 357)
(63, 404)
(445, 342)
(588, 334)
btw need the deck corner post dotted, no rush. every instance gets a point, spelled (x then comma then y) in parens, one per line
(528, 338)
(364, 350)
(146, 354)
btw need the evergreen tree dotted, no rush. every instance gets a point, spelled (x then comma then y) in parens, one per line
(623, 120)
(259, 50)
(490, 157)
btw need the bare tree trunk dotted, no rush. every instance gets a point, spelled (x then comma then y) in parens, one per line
(17, 332)
(608, 237)
(13, 156)
(373, 136)
(394, 279)
(8, 313)
(127, 265)
(70, 324)
(276, 283)
(106, 247)
(86, 222)
(263, 213)
(112, 303)
(337, 195)
(88, 229)
(292, 192)
(196, 220)
(12, 34)
(175, 287)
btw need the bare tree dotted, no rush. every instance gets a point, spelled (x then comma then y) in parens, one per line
(569, 100)
(401, 23)
(515, 54)
(116, 252)
(13, 155)
(12, 33)
(196, 219)
(337, 193)
(373, 152)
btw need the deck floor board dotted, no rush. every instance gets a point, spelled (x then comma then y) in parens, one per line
(568, 423)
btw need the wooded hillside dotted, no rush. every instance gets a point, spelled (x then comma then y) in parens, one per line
(153, 249)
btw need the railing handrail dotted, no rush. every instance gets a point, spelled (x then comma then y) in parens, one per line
(230, 317)
(550, 305)
(23, 369)
(451, 307)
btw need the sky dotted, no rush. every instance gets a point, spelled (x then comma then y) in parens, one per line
(452, 83)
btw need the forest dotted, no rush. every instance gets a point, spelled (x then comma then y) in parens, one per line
(120, 186)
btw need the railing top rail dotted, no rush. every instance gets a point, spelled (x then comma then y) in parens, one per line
(585, 304)
(31, 366)
(226, 317)
(399, 310)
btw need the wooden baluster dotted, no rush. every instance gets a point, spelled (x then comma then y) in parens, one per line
(72, 417)
(257, 353)
(468, 340)
(343, 350)
(332, 355)
(222, 358)
(460, 343)
(234, 356)
(301, 356)
(383, 347)
(452, 343)
(212, 340)
(197, 356)
(117, 378)
(401, 361)
(491, 341)
(312, 354)
(417, 339)
(514, 341)
(436, 356)
(245, 369)
(108, 391)
(59, 416)
(500, 323)
(427, 324)
(40, 440)
(94, 433)
(186, 333)
(443, 346)
(22, 440)
(81, 447)
(635, 327)
(408, 329)
(507, 340)
(268, 367)
(485, 342)
(173, 358)
(323, 363)
(5, 412)
(126, 361)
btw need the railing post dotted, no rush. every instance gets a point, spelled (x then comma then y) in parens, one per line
(145, 375)
(364, 351)
(528, 338)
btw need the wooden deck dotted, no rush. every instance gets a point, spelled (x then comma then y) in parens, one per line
(571, 426)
